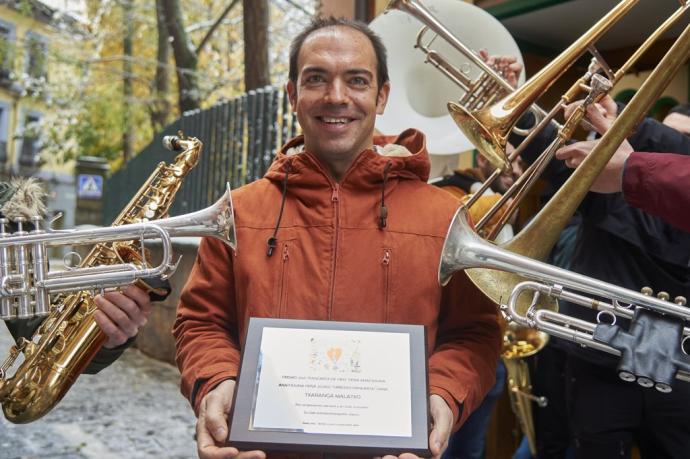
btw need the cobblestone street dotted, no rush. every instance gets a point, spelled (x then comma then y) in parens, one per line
(133, 409)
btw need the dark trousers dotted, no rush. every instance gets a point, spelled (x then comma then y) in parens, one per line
(547, 372)
(609, 415)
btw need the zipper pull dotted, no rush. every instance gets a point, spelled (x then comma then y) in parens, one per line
(386, 257)
(334, 196)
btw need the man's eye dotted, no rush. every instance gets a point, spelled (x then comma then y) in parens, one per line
(314, 79)
(359, 81)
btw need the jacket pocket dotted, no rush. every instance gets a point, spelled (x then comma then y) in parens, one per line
(283, 282)
(386, 261)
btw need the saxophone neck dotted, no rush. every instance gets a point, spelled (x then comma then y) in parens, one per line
(185, 161)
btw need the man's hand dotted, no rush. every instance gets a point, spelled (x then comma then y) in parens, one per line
(610, 180)
(506, 66)
(600, 116)
(442, 420)
(212, 425)
(121, 314)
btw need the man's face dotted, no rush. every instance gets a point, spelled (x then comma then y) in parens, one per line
(680, 123)
(336, 96)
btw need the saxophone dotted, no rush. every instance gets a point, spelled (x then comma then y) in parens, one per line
(69, 338)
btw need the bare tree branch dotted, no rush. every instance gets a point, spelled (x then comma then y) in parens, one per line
(214, 27)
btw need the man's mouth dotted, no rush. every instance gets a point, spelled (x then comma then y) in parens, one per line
(334, 120)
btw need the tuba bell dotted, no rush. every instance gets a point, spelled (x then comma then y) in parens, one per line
(418, 92)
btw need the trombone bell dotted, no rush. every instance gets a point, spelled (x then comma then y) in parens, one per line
(492, 146)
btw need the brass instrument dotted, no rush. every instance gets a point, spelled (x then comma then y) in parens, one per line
(499, 271)
(69, 338)
(466, 79)
(489, 125)
(464, 249)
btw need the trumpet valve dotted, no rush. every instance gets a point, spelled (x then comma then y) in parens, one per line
(647, 291)
(663, 296)
(20, 225)
(36, 220)
(680, 300)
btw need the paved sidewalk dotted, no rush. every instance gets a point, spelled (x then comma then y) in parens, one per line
(132, 409)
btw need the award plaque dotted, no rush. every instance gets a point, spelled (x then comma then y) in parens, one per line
(332, 387)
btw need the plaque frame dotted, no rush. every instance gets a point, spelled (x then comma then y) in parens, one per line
(245, 439)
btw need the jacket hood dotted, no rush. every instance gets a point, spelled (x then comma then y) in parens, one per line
(406, 154)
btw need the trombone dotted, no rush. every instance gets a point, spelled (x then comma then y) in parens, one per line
(463, 249)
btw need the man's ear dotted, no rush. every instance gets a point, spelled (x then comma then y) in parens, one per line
(382, 97)
(292, 94)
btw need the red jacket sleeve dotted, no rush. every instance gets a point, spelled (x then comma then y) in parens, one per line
(658, 184)
(205, 330)
(462, 368)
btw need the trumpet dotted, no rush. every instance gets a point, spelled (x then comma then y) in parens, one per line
(465, 250)
(33, 283)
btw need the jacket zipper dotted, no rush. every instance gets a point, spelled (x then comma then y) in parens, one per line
(282, 305)
(335, 197)
(386, 261)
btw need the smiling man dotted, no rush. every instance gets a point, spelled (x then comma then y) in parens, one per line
(342, 227)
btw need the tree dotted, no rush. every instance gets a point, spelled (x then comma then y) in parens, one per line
(256, 71)
(127, 94)
(186, 57)
(160, 108)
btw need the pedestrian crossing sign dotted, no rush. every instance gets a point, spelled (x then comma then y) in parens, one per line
(90, 186)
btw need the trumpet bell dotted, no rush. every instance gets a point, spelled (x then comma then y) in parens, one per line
(465, 250)
(217, 221)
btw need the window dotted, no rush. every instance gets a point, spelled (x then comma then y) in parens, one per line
(29, 154)
(36, 56)
(6, 49)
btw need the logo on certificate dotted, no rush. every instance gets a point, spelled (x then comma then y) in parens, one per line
(334, 355)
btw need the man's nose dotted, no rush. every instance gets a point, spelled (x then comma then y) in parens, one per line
(336, 92)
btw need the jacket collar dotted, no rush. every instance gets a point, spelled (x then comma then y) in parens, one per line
(406, 153)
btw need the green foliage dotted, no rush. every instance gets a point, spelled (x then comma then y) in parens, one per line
(84, 85)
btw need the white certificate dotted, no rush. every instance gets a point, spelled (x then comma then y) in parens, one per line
(333, 382)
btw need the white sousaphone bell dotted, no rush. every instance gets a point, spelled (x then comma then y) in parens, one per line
(419, 93)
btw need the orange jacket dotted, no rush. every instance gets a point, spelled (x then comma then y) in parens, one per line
(332, 261)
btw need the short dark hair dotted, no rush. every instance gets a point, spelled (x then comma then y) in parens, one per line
(320, 23)
(681, 109)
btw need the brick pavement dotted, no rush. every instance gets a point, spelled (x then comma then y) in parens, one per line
(133, 409)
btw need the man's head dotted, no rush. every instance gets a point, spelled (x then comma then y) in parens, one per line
(506, 179)
(338, 83)
(679, 118)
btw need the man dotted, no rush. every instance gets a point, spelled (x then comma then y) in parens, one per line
(627, 247)
(120, 315)
(338, 229)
